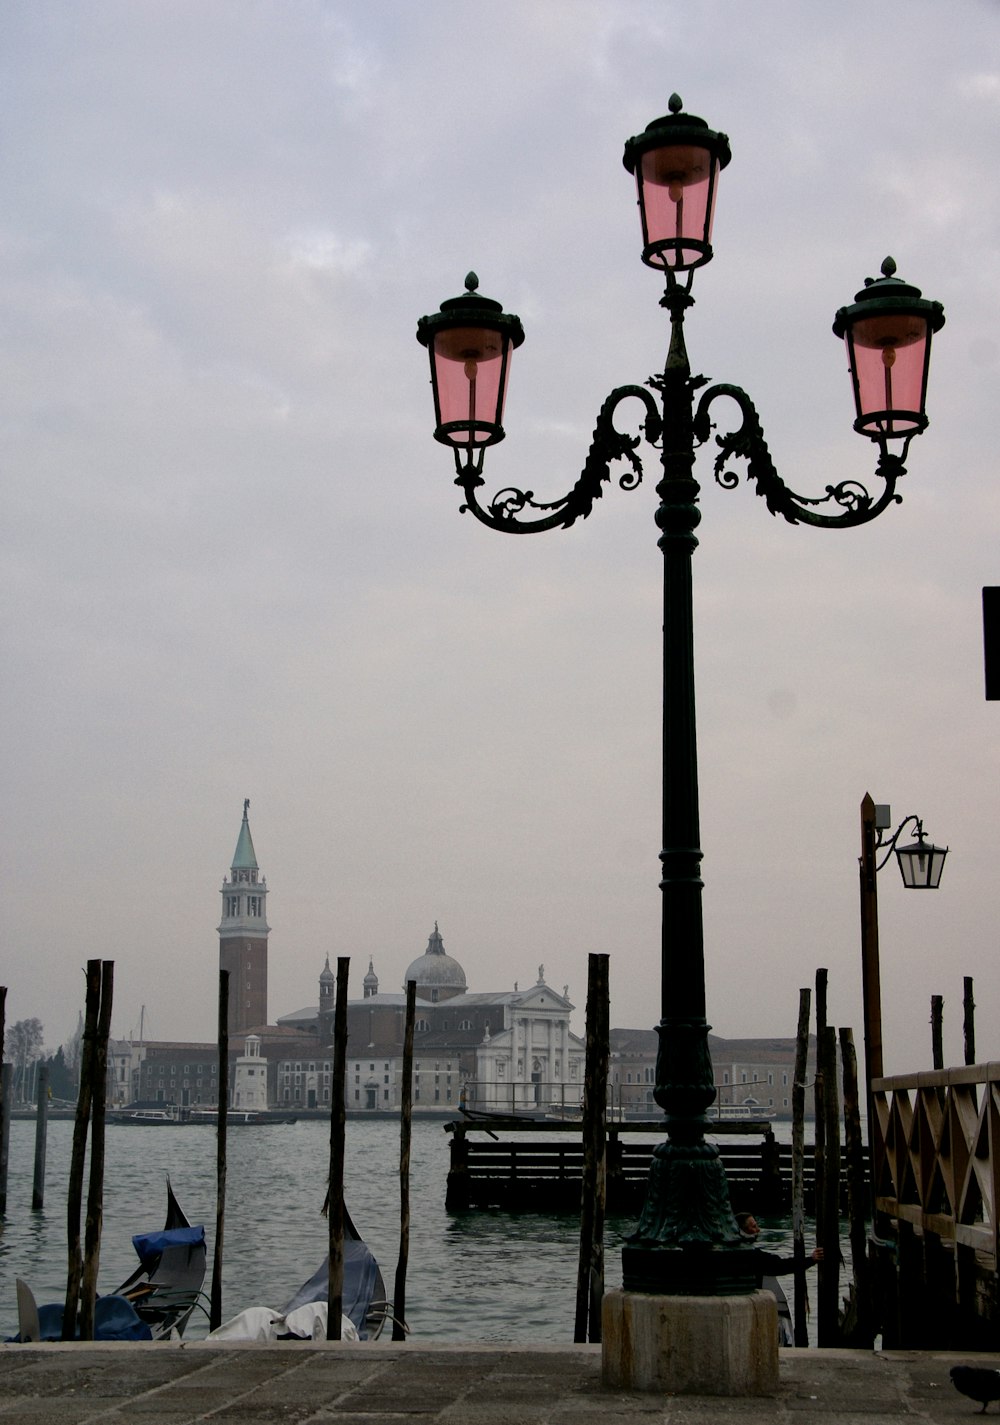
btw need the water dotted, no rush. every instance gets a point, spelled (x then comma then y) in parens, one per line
(484, 1276)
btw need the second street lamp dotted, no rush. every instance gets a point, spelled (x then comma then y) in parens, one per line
(687, 1242)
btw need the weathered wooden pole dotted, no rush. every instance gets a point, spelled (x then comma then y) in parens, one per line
(41, 1127)
(937, 1031)
(4, 1115)
(819, 1119)
(221, 1127)
(828, 1204)
(335, 1280)
(871, 984)
(74, 1193)
(593, 1194)
(405, 1125)
(863, 1333)
(969, 1022)
(798, 1168)
(95, 1189)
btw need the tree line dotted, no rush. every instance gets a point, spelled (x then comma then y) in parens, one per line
(24, 1050)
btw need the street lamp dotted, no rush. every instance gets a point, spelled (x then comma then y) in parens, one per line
(920, 865)
(687, 1242)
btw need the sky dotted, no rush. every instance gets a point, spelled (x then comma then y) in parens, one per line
(233, 563)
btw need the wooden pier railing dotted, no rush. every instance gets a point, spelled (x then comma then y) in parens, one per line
(936, 1151)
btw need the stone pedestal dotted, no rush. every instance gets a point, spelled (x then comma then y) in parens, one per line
(690, 1345)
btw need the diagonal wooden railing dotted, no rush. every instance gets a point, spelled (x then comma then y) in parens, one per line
(936, 1154)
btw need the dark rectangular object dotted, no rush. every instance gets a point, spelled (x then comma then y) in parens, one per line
(991, 641)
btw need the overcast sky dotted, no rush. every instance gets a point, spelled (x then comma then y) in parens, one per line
(233, 562)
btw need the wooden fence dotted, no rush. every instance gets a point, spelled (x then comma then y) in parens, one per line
(936, 1151)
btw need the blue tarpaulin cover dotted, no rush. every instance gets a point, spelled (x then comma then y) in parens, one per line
(151, 1245)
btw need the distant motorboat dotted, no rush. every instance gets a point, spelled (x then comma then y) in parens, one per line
(732, 1112)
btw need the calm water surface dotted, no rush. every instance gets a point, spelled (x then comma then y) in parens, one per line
(484, 1276)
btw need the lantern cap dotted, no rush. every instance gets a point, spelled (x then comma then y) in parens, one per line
(471, 309)
(676, 128)
(891, 294)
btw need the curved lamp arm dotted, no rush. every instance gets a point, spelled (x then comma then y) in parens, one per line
(890, 844)
(851, 500)
(608, 444)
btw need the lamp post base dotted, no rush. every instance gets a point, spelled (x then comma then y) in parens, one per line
(690, 1345)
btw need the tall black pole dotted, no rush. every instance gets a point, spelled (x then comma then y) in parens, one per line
(687, 1206)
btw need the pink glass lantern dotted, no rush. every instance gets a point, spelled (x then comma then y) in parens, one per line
(470, 341)
(888, 331)
(676, 162)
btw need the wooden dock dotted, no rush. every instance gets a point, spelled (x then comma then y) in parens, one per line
(541, 1170)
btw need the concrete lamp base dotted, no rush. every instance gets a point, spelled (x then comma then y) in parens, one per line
(690, 1345)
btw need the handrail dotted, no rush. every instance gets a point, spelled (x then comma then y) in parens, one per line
(936, 1151)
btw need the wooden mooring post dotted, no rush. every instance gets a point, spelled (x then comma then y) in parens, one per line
(335, 1192)
(860, 1331)
(81, 1125)
(221, 1127)
(6, 1084)
(41, 1126)
(4, 1100)
(801, 1329)
(95, 1188)
(969, 1022)
(593, 1193)
(405, 1124)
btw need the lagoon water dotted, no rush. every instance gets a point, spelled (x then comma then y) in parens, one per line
(484, 1276)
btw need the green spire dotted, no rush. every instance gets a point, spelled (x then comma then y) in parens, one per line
(244, 858)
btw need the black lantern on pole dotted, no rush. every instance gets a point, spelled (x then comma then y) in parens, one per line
(921, 864)
(470, 341)
(676, 161)
(888, 331)
(687, 1241)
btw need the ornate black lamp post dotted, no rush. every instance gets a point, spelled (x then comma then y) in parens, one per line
(687, 1241)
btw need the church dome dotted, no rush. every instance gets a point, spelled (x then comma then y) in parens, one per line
(437, 974)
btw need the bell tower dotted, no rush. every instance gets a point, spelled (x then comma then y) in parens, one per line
(243, 935)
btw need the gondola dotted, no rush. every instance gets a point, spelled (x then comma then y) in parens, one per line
(165, 1287)
(154, 1303)
(364, 1309)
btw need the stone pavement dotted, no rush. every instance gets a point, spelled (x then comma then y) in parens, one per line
(385, 1384)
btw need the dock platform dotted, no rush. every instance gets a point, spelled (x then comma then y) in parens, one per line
(541, 1170)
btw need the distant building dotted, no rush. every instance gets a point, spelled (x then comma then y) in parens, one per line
(488, 1049)
(243, 933)
(758, 1073)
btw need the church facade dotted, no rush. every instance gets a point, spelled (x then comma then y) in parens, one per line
(492, 1049)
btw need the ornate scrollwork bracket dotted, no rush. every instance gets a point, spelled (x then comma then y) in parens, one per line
(852, 501)
(608, 444)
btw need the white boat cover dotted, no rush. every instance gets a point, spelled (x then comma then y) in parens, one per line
(261, 1323)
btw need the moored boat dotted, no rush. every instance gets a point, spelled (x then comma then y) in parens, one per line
(364, 1306)
(154, 1303)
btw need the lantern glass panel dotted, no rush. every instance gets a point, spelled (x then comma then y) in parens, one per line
(677, 190)
(921, 864)
(890, 365)
(469, 366)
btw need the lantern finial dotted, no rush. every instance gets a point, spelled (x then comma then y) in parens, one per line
(471, 282)
(675, 103)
